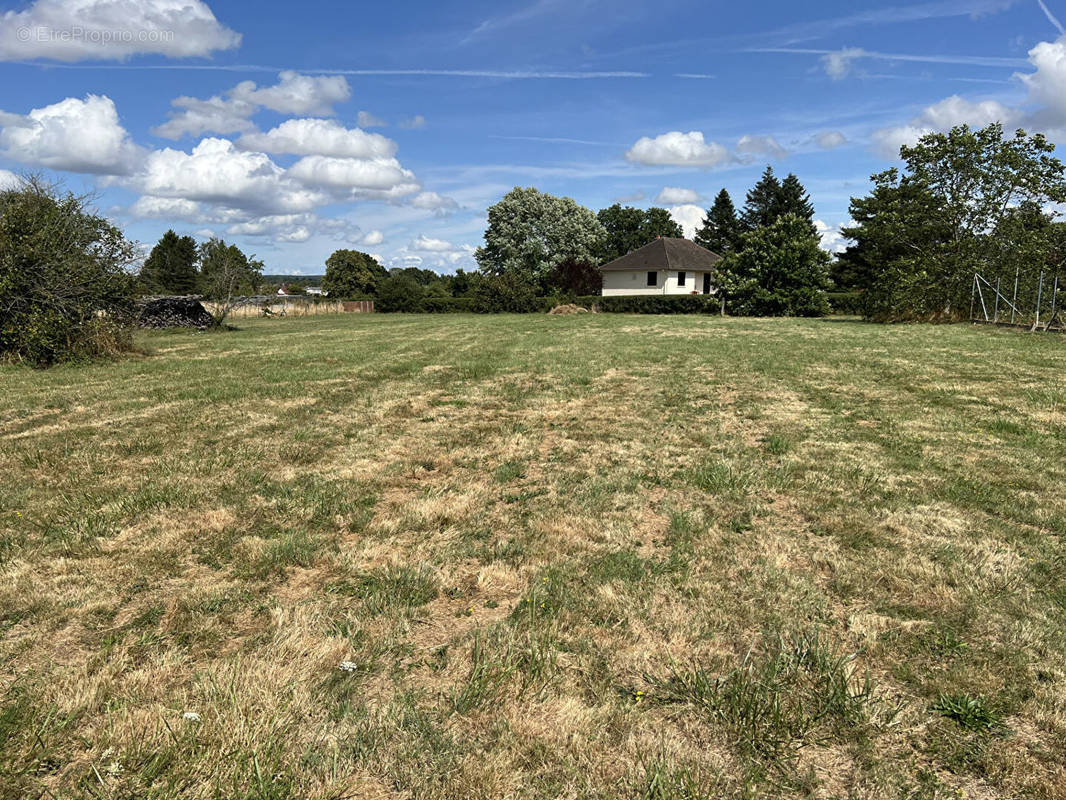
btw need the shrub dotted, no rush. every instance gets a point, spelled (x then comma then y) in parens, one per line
(433, 304)
(654, 304)
(65, 292)
(496, 294)
(399, 293)
(849, 303)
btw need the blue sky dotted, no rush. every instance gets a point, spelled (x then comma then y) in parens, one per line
(293, 129)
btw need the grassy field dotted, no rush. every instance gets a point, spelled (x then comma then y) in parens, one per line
(535, 557)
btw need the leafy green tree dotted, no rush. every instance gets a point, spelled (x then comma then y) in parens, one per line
(658, 222)
(399, 293)
(171, 266)
(628, 228)
(459, 284)
(978, 176)
(898, 237)
(66, 291)
(720, 232)
(351, 274)
(922, 234)
(530, 233)
(763, 204)
(226, 274)
(779, 270)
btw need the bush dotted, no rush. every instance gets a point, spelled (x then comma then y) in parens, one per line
(399, 293)
(447, 305)
(849, 303)
(506, 293)
(654, 304)
(65, 292)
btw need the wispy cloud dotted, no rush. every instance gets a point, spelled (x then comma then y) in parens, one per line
(556, 140)
(492, 24)
(891, 15)
(1051, 17)
(927, 58)
(443, 73)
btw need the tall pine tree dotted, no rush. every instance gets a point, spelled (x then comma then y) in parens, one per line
(171, 266)
(793, 199)
(720, 232)
(763, 202)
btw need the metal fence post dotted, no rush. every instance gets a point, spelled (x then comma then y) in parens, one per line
(995, 313)
(1039, 298)
(1054, 302)
(1014, 302)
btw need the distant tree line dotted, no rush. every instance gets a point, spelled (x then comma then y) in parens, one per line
(966, 201)
(539, 248)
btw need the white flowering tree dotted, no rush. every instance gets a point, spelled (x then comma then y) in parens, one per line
(530, 233)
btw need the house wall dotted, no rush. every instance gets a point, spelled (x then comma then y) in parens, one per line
(627, 282)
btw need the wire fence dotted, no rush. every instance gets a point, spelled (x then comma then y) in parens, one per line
(1030, 300)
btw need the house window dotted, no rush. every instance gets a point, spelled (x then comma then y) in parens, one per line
(681, 279)
(653, 278)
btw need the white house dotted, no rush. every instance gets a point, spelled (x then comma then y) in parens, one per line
(664, 266)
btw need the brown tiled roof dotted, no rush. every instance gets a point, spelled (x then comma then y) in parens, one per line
(666, 254)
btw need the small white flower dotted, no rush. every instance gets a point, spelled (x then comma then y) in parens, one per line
(349, 666)
(190, 716)
(114, 768)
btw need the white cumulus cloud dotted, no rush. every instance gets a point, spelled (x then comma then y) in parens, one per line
(321, 137)
(377, 178)
(830, 238)
(216, 172)
(294, 93)
(231, 111)
(429, 251)
(678, 149)
(431, 201)
(8, 180)
(675, 195)
(213, 115)
(74, 135)
(373, 238)
(942, 116)
(84, 30)
(1048, 84)
(689, 217)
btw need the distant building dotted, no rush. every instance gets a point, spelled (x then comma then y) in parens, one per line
(664, 266)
